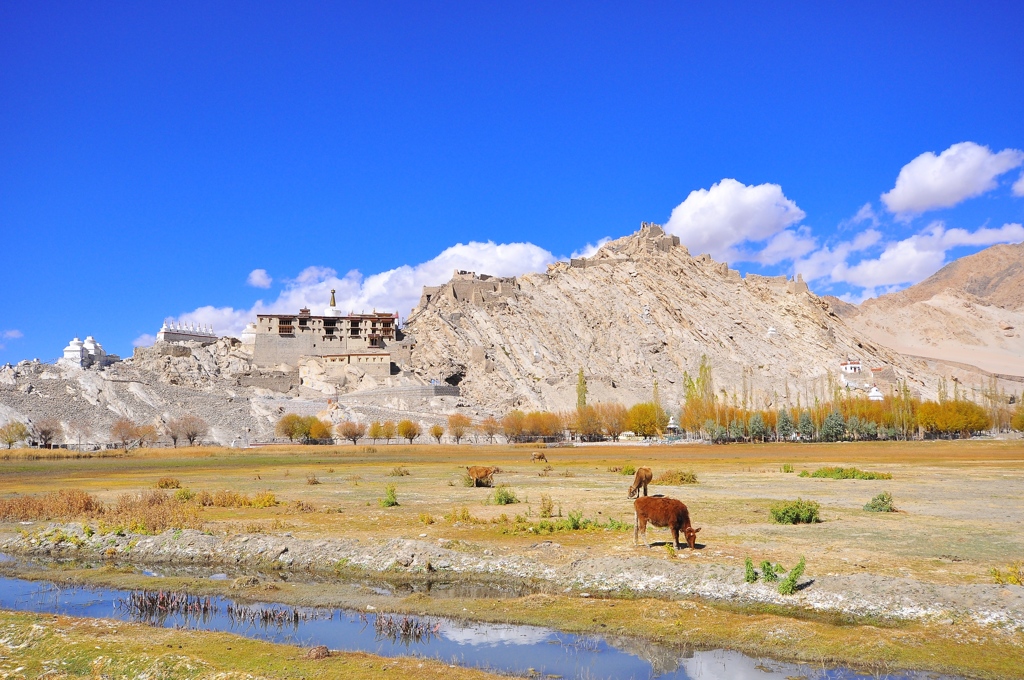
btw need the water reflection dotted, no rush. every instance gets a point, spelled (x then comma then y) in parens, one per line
(500, 647)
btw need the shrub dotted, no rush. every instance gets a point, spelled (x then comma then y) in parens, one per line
(63, 504)
(503, 495)
(676, 478)
(614, 468)
(312, 479)
(787, 467)
(788, 585)
(184, 495)
(881, 503)
(398, 471)
(628, 470)
(1014, 574)
(547, 506)
(795, 512)
(768, 572)
(457, 515)
(390, 499)
(575, 520)
(750, 576)
(426, 518)
(151, 512)
(845, 473)
(264, 499)
(168, 483)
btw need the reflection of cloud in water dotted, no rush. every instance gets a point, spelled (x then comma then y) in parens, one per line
(720, 664)
(495, 634)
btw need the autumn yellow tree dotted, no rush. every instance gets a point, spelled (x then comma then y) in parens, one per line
(490, 427)
(408, 429)
(352, 431)
(458, 425)
(436, 431)
(13, 432)
(388, 431)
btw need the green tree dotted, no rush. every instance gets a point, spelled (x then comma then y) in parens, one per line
(581, 390)
(785, 424)
(13, 432)
(834, 427)
(737, 429)
(806, 426)
(758, 430)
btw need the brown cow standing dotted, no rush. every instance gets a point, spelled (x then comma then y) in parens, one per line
(642, 478)
(538, 455)
(481, 476)
(663, 512)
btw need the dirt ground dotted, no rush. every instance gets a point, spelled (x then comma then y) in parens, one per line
(960, 513)
(960, 502)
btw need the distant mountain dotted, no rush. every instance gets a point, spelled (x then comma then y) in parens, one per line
(641, 310)
(971, 311)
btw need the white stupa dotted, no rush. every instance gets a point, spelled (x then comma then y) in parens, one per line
(333, 309)
(249, 334)
(93, 348)
(74, 353)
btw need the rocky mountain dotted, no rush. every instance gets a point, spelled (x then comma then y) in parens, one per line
(971, 312)
(641, 310)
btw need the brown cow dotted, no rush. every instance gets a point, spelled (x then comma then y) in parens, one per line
(538, 455)
(642, 478)
(482, 476)
(663, 512)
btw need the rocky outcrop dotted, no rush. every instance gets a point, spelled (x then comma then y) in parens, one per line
(641, 310)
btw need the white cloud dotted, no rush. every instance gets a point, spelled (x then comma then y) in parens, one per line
(590, 249)
(1018, 186)
(907, 261)
(720, 219)
(144, 340)
(960, 172)
(397, 289)
(790, 244)
(258, 278)
(865, 214)
(12, 334)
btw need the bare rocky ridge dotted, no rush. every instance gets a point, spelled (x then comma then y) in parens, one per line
(971, 312)
(217, 382)
(641, 309)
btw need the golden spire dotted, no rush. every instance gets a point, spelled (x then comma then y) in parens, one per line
(333, 304)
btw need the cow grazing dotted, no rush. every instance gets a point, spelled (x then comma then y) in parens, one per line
(641, 479)
(481, 476)
(538, 455)
(663, 512)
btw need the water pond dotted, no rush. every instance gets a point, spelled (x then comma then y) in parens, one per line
(510, 649)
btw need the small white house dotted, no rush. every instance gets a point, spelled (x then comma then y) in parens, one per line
(850, 366)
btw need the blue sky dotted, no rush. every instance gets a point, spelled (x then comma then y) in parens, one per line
(158, 159)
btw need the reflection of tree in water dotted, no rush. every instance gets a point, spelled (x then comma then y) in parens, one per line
(407, 629)
(663, 658)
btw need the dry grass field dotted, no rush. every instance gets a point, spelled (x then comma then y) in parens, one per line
(959, 503)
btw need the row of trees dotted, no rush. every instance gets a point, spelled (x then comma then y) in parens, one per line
(125, 431)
